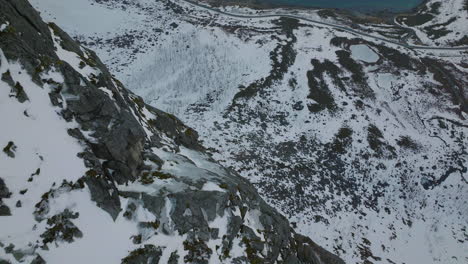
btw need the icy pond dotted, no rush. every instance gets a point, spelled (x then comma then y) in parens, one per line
(363, 53)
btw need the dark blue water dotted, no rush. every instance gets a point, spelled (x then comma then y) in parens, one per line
(359, 5)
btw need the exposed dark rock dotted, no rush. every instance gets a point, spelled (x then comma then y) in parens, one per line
(4, 192)
(4, 210)
(174, 258)
(38, 260)
(146, 254)
(61, 228)
(319, 91)
(10, 149)
(378, 144)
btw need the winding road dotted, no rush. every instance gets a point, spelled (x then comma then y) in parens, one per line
(335, 26)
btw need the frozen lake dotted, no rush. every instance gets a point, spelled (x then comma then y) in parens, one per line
(363, 53)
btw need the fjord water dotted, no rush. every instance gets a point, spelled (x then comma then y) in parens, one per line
(358, 5)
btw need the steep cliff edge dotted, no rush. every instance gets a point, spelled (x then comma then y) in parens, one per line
(91, 174)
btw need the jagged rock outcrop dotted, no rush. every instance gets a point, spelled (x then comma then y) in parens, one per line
(81, 139)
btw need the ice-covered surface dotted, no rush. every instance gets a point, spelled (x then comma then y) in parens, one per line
(378, 174)
(363, 53)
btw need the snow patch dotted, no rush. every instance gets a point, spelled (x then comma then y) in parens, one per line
(4, 26)
(212, 187)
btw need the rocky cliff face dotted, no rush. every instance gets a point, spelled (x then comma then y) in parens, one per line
(92, 174)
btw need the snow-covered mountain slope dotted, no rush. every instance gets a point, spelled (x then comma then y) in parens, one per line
(91, 174)
(362, 144)
(439, 22)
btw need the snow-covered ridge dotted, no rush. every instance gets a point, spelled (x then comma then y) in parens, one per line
(91, 174)
(439, 22)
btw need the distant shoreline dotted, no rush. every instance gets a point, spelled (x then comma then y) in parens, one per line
(258, 5)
